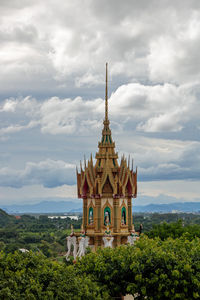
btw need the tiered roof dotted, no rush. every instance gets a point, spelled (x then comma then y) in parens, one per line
(106, 177)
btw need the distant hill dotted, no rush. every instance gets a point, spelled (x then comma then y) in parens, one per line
(5, 218)
(170, 207)
(76, 206)
(3, 214)
(44, 207)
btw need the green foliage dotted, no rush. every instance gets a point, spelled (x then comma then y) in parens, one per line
(5, 218)
(154, 269)
(163, 265)
(150, 219)
(30, 276)
(174, 230)
(38, 234)
(166, 270)
(2, 246)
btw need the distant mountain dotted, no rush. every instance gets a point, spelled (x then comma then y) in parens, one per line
(77, 210)
(170, 207)
(159, 199)
(76, 206)
(44, 207)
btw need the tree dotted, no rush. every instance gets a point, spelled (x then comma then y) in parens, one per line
(2, 246)
(154, 269)
(174, 230)
(30, 276)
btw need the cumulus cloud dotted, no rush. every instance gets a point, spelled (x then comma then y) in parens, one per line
(48, 173)
(157, 159)
(163, 159)
(8, 106)
(58, 58)
(173, 57)
(37, 52)
(159, 108)
(155, 108)
(55, 115)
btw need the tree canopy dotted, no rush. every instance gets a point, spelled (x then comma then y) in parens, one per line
(152, 268)
(31, 276)
(163, 264)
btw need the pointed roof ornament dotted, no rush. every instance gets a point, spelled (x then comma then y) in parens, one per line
(81, 166)
(106, 95)
(106, 145)
(85, 161)
(129, 161)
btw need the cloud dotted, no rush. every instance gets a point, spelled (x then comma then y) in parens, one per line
(11, 129)
(48, 173)
(59, 51)
(158, 108)
(162, 159)
(54, 116)
(52, 86)
(173, 57)
(162, 122)
(157, 160)
(8, 106)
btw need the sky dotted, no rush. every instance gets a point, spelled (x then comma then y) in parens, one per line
(52, 86)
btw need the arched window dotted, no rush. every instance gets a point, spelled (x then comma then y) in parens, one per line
(90, 216)
(123, 222)
(107, 216)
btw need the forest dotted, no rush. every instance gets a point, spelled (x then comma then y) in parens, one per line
(163, 264)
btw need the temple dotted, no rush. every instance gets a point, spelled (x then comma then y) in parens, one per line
(107, 188)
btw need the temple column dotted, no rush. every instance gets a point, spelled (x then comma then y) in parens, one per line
(97, 215)
(130, 214)
(84, 213)
(117, 220)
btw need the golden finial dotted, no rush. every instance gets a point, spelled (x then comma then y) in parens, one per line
(106, 94)
(81, 166)
(85, 162)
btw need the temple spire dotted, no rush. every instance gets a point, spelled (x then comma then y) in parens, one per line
(106, 95)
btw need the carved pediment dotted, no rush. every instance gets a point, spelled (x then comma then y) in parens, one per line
(107, 188)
